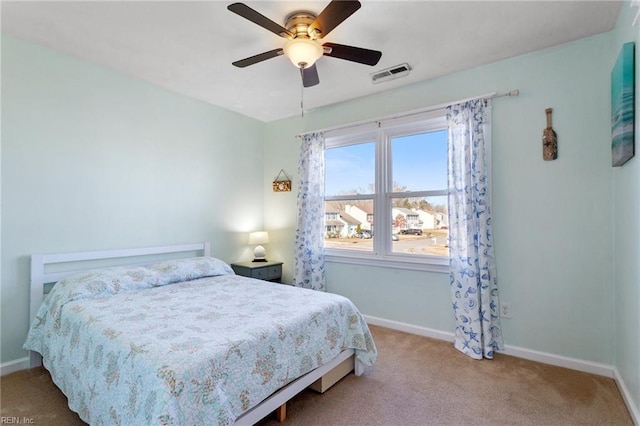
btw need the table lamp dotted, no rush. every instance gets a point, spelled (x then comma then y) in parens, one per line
(259, 238)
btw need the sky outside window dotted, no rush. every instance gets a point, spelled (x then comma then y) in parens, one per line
(350, 168)
(419, 162)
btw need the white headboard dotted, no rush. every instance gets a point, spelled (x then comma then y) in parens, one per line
(43, 269)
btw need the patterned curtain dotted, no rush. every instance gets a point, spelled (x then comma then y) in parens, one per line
(474, 289)
(308, 269)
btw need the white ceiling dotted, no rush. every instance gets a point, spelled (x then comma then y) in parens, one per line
(188, 47)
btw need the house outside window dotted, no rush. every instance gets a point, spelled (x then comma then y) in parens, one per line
(388, 185)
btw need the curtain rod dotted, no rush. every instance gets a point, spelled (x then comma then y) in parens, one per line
(510, 93)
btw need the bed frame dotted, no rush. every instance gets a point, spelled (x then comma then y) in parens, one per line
(47, 269)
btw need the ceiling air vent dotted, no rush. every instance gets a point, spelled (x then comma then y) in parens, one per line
(392, 73)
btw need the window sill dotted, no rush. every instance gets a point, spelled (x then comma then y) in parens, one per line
(430, 265)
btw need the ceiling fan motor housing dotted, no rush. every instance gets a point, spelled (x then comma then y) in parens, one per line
(298, 23)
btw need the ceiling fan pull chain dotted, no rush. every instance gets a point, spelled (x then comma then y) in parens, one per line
(302, 91)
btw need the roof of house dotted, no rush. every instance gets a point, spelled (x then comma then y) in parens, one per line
(406, 211)
(367, 208)
(349, 219)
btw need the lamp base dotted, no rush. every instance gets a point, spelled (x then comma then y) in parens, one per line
(259, 254)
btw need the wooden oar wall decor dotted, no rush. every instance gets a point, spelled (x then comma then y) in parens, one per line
(549, 140)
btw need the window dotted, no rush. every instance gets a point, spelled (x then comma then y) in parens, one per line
(386, 194)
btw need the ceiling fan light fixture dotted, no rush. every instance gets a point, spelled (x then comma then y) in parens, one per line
(303, 52)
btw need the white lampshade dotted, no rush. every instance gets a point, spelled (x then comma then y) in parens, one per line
(259, 253)
(303, 52)
(261, 237)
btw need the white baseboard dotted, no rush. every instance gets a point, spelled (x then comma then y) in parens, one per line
(631, 406)
(560, 361)
(13, 366)
(410, 328)
(543, 357)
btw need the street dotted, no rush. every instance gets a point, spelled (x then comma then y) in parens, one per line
(432, 243)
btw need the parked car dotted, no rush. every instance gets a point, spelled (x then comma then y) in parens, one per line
(365, 234)
(394, 237)
(411, 231)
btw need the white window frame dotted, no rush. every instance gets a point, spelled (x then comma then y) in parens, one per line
(382, 133)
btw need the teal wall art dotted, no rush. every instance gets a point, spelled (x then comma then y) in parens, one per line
(622, 106)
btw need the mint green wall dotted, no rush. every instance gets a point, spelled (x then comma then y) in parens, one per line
(626, 218)
(94, 160)
(552, 220)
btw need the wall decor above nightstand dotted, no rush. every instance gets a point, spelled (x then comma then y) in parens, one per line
(282, 183)
(268, 271)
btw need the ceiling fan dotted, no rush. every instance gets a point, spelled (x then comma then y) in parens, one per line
(303, 29)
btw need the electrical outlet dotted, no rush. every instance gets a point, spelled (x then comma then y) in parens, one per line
(505, 310)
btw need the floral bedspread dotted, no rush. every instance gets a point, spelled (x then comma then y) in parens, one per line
(186, 342)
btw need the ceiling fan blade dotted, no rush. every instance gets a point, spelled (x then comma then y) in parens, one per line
(354, 54)
(332, 16)
(259, 19)
(310, 76)
(258, 58)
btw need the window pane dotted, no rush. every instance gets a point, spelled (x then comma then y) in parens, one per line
(350, 169)
(349, 225)
(419, 162)
(421, 226)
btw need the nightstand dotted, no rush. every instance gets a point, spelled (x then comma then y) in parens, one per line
(268, 271)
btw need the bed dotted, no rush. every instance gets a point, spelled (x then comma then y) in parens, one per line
(184, 340)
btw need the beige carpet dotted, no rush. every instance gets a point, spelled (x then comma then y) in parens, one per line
(416, 381)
